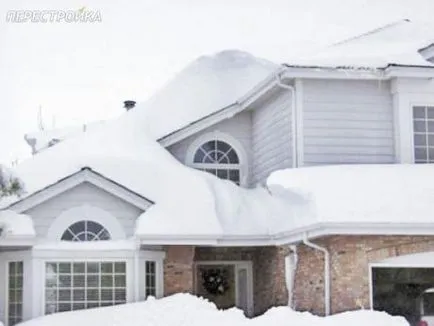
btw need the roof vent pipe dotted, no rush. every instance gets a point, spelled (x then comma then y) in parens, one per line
(128, 105)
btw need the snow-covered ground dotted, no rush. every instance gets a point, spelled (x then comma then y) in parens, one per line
(188, 310)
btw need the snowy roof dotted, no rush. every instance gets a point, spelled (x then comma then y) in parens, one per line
(205, 86)
(398, 43)
(188, 203)
(43, 139)
(353, 194)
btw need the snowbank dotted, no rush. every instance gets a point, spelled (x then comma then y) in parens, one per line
(388, 193)
(188, 310)
(16, 225)
(398, 43)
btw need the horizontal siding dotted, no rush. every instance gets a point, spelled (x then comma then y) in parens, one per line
(347, 122)
(44, 214)
(238, 127)
(271, 136)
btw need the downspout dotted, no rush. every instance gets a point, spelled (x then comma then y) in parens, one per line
(291, 90)
(326, 271)
(136, 269)
(291, 261)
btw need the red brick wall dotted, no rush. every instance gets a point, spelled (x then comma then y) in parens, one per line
(178, 269)
(350, 259)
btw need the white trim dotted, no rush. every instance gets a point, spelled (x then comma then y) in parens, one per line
(230, 140)
(84, 175)
(299, 121)
(238, 264)
(371, 288)
(293, 236)
(89, 213)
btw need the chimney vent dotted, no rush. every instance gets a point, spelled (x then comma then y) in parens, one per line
(128, 105)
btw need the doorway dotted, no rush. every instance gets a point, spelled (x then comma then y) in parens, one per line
(226, 283)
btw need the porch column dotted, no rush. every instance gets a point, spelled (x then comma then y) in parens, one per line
(178, 269)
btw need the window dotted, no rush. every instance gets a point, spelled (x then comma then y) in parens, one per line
(79, 285)
(423, 128)
(15, 296)
(150, 272)
(86, 231)
(218, 158)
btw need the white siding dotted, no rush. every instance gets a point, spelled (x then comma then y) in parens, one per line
(239, 127)
(271, 136)
(44, 214)
(347, 122)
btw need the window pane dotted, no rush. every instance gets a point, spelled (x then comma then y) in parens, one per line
(209, 146)
(78, 227)
(93, 227)
(198, 156)
(92, 268)
(430, 111)
(420, 140)
(419, 126)
(15, 293)
(79, 267)
(233, 157)
(420, 154)
(419, 112)
(67, 236)
(234, 175)
(106, 267)
(65, 281)
(64, 268)
(222, 174)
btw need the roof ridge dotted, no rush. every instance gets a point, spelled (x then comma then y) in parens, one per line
(373, 31)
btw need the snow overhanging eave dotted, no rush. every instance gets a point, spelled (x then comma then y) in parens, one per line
(359, 72)
(295, 235)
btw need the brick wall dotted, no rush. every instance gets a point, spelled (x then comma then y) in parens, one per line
(178, 269)
(350, 259)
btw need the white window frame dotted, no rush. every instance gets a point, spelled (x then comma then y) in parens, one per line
(89, 213)
(128, 287)
(408, 93)
(231, 141)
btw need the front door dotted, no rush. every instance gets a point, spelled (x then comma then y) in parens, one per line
(227, 284)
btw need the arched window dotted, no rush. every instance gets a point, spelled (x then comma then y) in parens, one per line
(86, 231)
(219, 158)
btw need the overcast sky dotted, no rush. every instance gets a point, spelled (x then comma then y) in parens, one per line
(80, 72)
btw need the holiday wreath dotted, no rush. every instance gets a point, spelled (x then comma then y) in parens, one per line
(215, 281)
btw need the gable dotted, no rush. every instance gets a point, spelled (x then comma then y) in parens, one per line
(45, 213)
(237, 128)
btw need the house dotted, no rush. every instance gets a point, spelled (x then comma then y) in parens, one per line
(133, 208)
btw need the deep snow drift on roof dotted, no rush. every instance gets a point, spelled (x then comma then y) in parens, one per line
(188, 203)
(398, 43)
(205, 86)
(389, 193)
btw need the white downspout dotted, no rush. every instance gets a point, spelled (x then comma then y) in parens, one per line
(291, 89)
(291, 261)
(136, 270)
(326, 271)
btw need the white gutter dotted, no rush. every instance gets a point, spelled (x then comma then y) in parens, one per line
(291, 89)
(326, 272)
